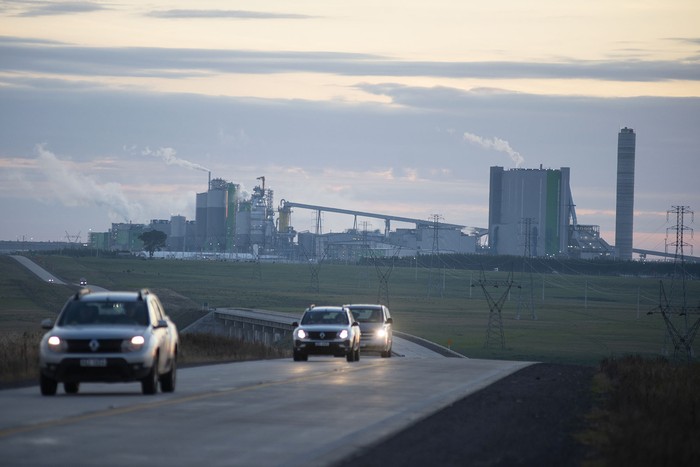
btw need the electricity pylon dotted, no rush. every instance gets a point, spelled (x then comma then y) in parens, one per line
(527, 254)
(494, 329)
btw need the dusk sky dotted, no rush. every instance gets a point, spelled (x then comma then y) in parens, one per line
(115, 111)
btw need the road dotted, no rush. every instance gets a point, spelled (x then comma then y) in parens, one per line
(266, 413)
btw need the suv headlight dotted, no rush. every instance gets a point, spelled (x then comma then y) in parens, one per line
(343, 334)
(301, 334)
(56, 344)
(134, 344)
(381, 333)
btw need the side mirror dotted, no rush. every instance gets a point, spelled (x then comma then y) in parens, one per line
(161, 324)
(47, 323)
(355, 323)
(295, 324)
(389, 321)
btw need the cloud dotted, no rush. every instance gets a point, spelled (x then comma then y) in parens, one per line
(219, 14)
(60, 8)
(70, 188)
(497, 144)
(179, 62)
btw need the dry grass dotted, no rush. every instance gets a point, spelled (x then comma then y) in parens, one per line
(648, 413)
(19, 353)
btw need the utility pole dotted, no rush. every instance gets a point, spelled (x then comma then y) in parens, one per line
(526, 231)
(433, 279)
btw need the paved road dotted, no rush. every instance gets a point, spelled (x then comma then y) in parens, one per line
(265, 413)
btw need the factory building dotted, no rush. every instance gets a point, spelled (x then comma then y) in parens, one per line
(532, 213)
(624, 214)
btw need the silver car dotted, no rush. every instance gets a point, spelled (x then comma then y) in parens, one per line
(109, 337)
(326, 330)
(376, 326)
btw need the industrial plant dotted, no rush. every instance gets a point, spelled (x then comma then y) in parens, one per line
(531, 213)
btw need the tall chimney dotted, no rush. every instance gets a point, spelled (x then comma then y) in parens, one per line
(624, 215)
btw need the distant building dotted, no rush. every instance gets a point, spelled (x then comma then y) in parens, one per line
(624, 214)
(532, 213)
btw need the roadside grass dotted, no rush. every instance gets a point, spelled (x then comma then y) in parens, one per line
(19, 354)
(579, 319)
(646, 410)
(646, 413)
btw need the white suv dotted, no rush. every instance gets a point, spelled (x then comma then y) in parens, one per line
(109, 337)
(327, 330)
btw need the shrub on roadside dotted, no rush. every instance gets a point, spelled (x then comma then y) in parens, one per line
(648, 413)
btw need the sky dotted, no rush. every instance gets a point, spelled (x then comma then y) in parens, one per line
(116, 111)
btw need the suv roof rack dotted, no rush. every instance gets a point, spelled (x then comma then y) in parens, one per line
(143, 293)
(81, 292)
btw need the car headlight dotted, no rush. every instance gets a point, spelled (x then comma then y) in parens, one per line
(301, 334)
(134, 344)
(343, 334)
(381, 333)
(56, 344)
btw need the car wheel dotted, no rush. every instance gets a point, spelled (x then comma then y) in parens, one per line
(71, 388)
(168, 380)
(300, 356)
(350, 356)
(357, 355)
(48, 386)
(149, 385)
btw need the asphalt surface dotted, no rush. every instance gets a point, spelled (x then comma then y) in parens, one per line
(529, 418)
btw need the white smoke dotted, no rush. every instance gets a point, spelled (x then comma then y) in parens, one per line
(71, 188)
(168, 155)
(497, 144)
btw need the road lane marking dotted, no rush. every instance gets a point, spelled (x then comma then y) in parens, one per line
(6, 432)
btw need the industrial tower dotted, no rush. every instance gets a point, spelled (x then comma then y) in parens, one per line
(624, 215)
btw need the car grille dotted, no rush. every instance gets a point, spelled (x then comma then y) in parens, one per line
(105, 346)
(323, 335)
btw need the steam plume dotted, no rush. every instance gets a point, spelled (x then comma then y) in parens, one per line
(168, 155)
(497, 144)
(71, 188)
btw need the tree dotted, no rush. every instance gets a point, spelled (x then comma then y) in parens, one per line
(153, 240)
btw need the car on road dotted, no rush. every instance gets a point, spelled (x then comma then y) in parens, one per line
(326, 330)
(109, 337)
(376, 327)
(83, 282)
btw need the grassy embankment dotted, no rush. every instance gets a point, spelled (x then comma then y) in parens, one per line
(646, 409)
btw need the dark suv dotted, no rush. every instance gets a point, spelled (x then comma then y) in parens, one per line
(327, 330)
(109, 337)
(376, 325)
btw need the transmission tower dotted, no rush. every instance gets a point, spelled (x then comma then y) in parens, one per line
(314, 268)
(433, 278)
(526, 226)
(72, 238)
(363, 270)
(494, 329)
(383, 273)
(682, 322)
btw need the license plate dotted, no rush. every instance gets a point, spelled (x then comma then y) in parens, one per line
(322, 344)
(93, 362)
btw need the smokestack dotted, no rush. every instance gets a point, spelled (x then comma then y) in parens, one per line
(624, 215)
(209, 182)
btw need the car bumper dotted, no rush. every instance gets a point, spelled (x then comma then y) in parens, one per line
(100, 369)
(323, 347)
(380, 344)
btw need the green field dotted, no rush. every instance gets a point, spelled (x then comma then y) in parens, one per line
(578, 318)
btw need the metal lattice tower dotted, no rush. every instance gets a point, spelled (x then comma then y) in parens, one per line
(682, 322)
(433, 279)
(363, 271)
(383, 274)
(494, 329)
(526, 226)
(314, 268)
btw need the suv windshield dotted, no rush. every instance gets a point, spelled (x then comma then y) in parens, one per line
(325, 317)
(115, 313)
(367, 315)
